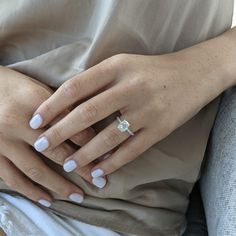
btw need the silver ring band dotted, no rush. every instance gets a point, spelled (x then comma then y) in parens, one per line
(123, 126)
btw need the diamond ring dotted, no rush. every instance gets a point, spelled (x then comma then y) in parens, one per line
(123, 126)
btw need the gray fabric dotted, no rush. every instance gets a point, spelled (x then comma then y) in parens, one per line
(218, 183)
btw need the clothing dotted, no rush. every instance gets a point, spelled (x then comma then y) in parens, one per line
(55, 40)
(35, 221)
(17, 221)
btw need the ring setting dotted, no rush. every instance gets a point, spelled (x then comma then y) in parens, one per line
(123, 126)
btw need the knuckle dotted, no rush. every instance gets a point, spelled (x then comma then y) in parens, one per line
(55, 134)
(34, 173)
(8, 118)
(71, 88)
(119, 60)
(89, 113)
(142, 84)
(83, 158)
(139, 84)
(111, 138)
(39, 95)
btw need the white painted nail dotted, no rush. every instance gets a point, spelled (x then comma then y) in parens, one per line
(76, 197)
(97, 173)
(70, 165)
(99, 182)
(44, 202)
(36, 121)
(41, 144)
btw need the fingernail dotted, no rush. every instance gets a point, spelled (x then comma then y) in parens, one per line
(44, 202)
(36, 121)
(76, 197)
(41, 144)
(99, 182)
(97, 173)
(70, 165)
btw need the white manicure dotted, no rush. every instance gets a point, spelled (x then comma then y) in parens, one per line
(70, 165)
(44, 202)
(36, 121)
(76, 197)
(97, 173)
(99, 182)
(41, 144)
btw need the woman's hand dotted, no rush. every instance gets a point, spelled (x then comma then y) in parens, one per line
(20, 166)
(155, 94)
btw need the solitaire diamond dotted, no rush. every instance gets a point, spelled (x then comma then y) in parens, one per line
(123, 126)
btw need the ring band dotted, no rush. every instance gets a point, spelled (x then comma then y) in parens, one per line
(123, 126)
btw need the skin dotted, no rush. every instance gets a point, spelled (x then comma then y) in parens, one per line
(20, 167)
(145, 89)
(156, 94)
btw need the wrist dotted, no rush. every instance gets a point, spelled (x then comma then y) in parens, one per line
(214, 63)
(217, 59)
(229, 61)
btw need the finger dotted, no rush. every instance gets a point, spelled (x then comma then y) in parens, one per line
(35, 169)
(80, 138)
(83, 137)
(82, 117)
(20, 183)
(58, 154)
(126, 153)
(102, 143)
(79, 87)
(61, 152)
(59, 117)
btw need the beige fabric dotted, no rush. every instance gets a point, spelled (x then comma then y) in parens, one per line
(54, 40)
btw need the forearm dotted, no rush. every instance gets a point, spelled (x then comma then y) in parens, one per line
(214, 61)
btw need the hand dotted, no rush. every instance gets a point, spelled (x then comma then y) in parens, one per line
(20, 166)
(155, 94)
